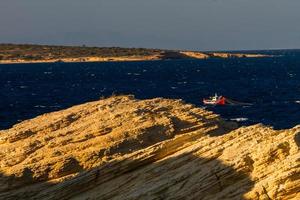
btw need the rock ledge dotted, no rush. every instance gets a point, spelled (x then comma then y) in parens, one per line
(123, 148)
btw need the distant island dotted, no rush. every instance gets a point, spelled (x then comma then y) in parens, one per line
(28, 53)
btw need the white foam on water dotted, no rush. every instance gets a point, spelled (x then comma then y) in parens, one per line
(40, 106)
(239, 119)
(183, 82)
(55, 106)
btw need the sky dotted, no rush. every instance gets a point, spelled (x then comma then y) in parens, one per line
(166, 24)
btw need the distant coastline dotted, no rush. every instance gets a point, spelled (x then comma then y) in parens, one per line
(81, 59)
(26, 53)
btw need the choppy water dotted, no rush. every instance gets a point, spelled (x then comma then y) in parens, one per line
(271, 84)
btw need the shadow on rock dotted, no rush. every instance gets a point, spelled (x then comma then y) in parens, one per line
(185, 176)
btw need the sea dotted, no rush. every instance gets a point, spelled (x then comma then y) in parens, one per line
(271, 85)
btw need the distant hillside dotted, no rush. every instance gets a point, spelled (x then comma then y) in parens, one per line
(37, 52)
(27, 53)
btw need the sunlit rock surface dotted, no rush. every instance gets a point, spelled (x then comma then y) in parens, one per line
(123, 148)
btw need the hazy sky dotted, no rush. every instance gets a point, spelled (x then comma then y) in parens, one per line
(169, 24)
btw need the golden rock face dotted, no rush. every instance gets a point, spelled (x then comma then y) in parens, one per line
(123, 148)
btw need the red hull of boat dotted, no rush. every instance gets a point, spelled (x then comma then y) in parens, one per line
(220, 101)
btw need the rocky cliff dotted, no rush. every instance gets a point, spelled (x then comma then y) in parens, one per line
(123, 148)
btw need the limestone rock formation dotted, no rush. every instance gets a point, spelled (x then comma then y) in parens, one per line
(123, 148)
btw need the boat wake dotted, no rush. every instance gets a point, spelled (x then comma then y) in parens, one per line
(237, 103)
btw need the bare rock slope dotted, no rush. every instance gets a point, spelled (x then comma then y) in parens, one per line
(123, 148)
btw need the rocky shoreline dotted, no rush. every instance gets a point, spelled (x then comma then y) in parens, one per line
(83, 59)
(124, 148)
(177, 56)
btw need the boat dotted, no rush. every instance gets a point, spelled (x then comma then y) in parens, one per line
(215, 100)
(221, 100)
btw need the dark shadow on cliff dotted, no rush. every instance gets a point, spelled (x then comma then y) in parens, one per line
(185, 176)
(297, 139)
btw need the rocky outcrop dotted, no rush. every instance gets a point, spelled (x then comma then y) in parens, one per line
(123, 148)
(194, 54)
(237, 55)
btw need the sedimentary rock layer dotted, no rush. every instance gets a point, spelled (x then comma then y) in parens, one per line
(123, 148)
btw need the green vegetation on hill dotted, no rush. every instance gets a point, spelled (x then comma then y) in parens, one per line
(41, 52)
(18, 53)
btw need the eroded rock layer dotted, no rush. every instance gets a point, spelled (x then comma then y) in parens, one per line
(123, 148)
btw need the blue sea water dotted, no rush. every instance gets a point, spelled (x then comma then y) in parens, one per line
(272, 85)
